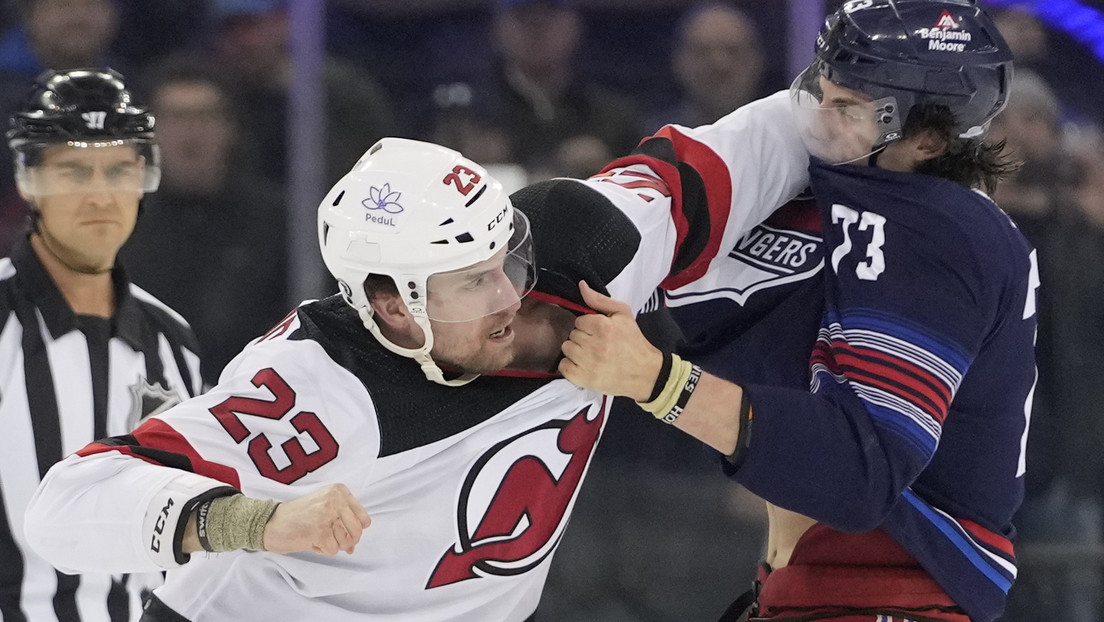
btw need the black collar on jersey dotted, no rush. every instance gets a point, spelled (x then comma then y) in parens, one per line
(128, 323)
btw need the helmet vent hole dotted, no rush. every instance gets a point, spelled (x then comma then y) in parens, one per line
(339, 197)
(440, 242)
(325, 232)
(447, 222)
(476, 197)
(492, 245)
(465, 237)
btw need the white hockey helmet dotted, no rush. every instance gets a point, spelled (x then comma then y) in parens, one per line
(412, 210)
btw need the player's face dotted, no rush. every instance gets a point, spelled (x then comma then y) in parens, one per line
(480, 346)
(847, 120)
(837, 124)
(487, 292)
(88, 201)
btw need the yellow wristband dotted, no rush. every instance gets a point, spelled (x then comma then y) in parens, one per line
(680, 371)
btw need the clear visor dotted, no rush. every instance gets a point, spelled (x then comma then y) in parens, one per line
(487, 287)
(840, 125)
(117, 166)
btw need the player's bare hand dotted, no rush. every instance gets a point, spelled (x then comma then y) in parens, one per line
(325, 521)
(607, 352)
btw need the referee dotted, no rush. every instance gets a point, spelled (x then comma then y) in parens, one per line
(83, 353)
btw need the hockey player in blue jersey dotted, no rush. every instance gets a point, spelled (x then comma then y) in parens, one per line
(892, 476)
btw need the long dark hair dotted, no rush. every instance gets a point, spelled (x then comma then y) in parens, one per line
(972, 162)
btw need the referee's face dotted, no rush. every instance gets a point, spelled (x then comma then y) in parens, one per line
(88, 200)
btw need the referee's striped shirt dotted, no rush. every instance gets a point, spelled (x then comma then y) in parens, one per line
(66, 380)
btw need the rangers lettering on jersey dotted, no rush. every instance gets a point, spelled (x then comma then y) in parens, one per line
(772, 256)
(783, 251)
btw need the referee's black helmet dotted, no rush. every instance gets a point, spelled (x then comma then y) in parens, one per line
(61, 105)
(83, 108)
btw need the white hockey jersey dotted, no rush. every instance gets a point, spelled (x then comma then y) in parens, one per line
(469, 488)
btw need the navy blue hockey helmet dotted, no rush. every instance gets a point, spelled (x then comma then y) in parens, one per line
(918, 52)
(85, 108)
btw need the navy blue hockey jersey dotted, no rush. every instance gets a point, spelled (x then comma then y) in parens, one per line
(921, 379)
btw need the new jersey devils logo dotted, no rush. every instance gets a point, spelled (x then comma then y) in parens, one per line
(514, 503)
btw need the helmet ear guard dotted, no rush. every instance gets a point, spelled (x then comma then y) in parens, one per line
(411, 210)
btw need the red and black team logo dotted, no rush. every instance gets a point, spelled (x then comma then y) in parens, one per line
(514, 503)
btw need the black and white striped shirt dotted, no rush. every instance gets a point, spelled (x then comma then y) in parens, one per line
(65, 380)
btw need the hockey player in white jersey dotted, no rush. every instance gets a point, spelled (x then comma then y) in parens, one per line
(449, 497)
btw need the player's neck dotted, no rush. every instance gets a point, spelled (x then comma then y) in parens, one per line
(86, 293)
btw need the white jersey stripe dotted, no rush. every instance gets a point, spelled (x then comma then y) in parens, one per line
(996, 559)
(899, 349)
(880, 397)
(906, 351)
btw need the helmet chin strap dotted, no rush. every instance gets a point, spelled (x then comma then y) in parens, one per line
(421, 355)
(874, 156)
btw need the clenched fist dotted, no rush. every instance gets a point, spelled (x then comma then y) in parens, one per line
(325, 521)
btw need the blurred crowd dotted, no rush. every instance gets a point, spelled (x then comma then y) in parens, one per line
(541, 88)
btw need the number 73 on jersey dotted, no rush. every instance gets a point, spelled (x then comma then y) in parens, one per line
(869, 268)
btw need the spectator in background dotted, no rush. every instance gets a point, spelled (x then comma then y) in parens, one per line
(1025, 35)
(1078, 284)
(212, 241)
(1062, 503)
(558, 122)
(251, 42)
(156, 31)
(718, 63)
(471, 123)
(1031, 127)
(49, 34)
(1067, 65)
(58, 34)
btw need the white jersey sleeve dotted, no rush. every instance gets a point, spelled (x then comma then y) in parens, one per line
(126, 525)
(720, 180)
(762, 154)
(272, 429)
(659, 217)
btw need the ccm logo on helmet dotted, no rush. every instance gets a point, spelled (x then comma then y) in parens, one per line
(497, 219)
